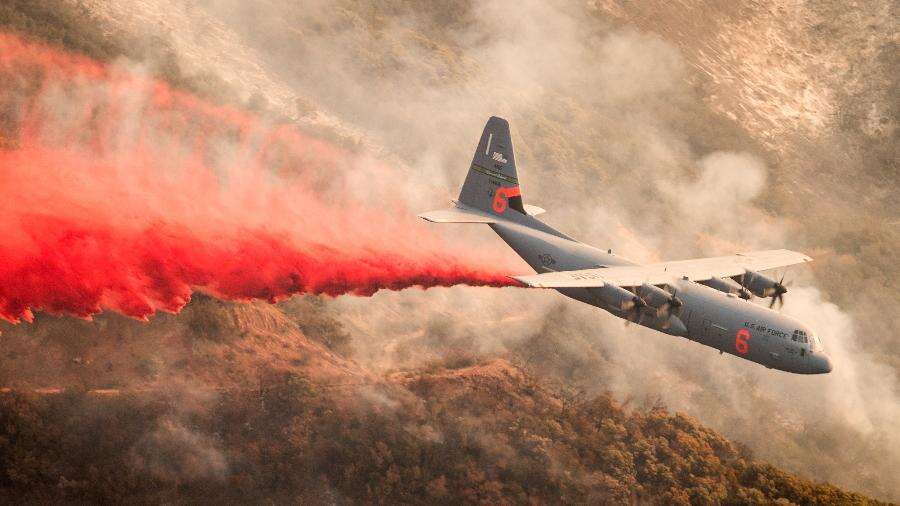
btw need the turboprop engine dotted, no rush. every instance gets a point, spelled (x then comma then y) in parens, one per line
(662, 300)
(763, 286)
(619, 298)
(635, 306)
(727, 285)
(668, 308)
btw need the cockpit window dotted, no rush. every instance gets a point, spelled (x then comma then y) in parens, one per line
(800, 337)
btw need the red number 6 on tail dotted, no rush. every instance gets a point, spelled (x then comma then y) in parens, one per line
(501, 196)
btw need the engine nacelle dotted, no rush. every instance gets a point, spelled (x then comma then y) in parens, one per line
(760, 285)
(618, 297)
(675, 326)
(669, 323)
(726, 285)
(654, 296)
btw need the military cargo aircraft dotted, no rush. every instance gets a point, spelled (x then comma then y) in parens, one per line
(705, 299)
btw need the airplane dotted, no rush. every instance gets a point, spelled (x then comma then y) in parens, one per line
(706, 300)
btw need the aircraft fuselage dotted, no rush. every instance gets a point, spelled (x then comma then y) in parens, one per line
(708, 316)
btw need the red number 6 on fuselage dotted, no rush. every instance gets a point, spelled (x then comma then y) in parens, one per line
(741, 341)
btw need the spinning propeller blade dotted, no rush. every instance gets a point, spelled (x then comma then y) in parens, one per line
(780, 289)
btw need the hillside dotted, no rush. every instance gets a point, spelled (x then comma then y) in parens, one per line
(659, 130)
(210, 343)
(230, 402)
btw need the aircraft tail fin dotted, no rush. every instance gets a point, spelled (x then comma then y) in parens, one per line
(492, 185)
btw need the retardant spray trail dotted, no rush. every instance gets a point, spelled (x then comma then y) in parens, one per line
(119, 193)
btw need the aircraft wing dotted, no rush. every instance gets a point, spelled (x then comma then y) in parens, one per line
(698, 269)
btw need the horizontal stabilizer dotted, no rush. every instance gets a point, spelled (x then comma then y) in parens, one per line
(531, 210)
(458, 215)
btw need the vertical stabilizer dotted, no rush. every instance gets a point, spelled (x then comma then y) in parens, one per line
(492, 184)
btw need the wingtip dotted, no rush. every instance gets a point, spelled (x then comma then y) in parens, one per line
(430, 216)
(524, 280)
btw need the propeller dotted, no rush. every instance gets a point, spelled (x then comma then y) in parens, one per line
(778, 291)
(744, 293)
(671, 307)
(637, 310)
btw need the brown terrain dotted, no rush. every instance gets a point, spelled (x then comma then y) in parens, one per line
(250, 408)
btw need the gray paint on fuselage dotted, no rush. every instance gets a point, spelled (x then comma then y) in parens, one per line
(711, 317)
(714, 318)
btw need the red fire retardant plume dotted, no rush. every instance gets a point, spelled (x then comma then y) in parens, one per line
(118, 193)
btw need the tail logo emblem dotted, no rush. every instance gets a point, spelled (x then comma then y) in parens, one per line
(497, 157)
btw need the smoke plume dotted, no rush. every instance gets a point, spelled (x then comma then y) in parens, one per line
(123, 194)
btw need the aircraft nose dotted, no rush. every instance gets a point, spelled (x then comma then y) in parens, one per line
(822, 364)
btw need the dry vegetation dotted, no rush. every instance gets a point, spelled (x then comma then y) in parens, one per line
(486, 434)
(247, 409)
